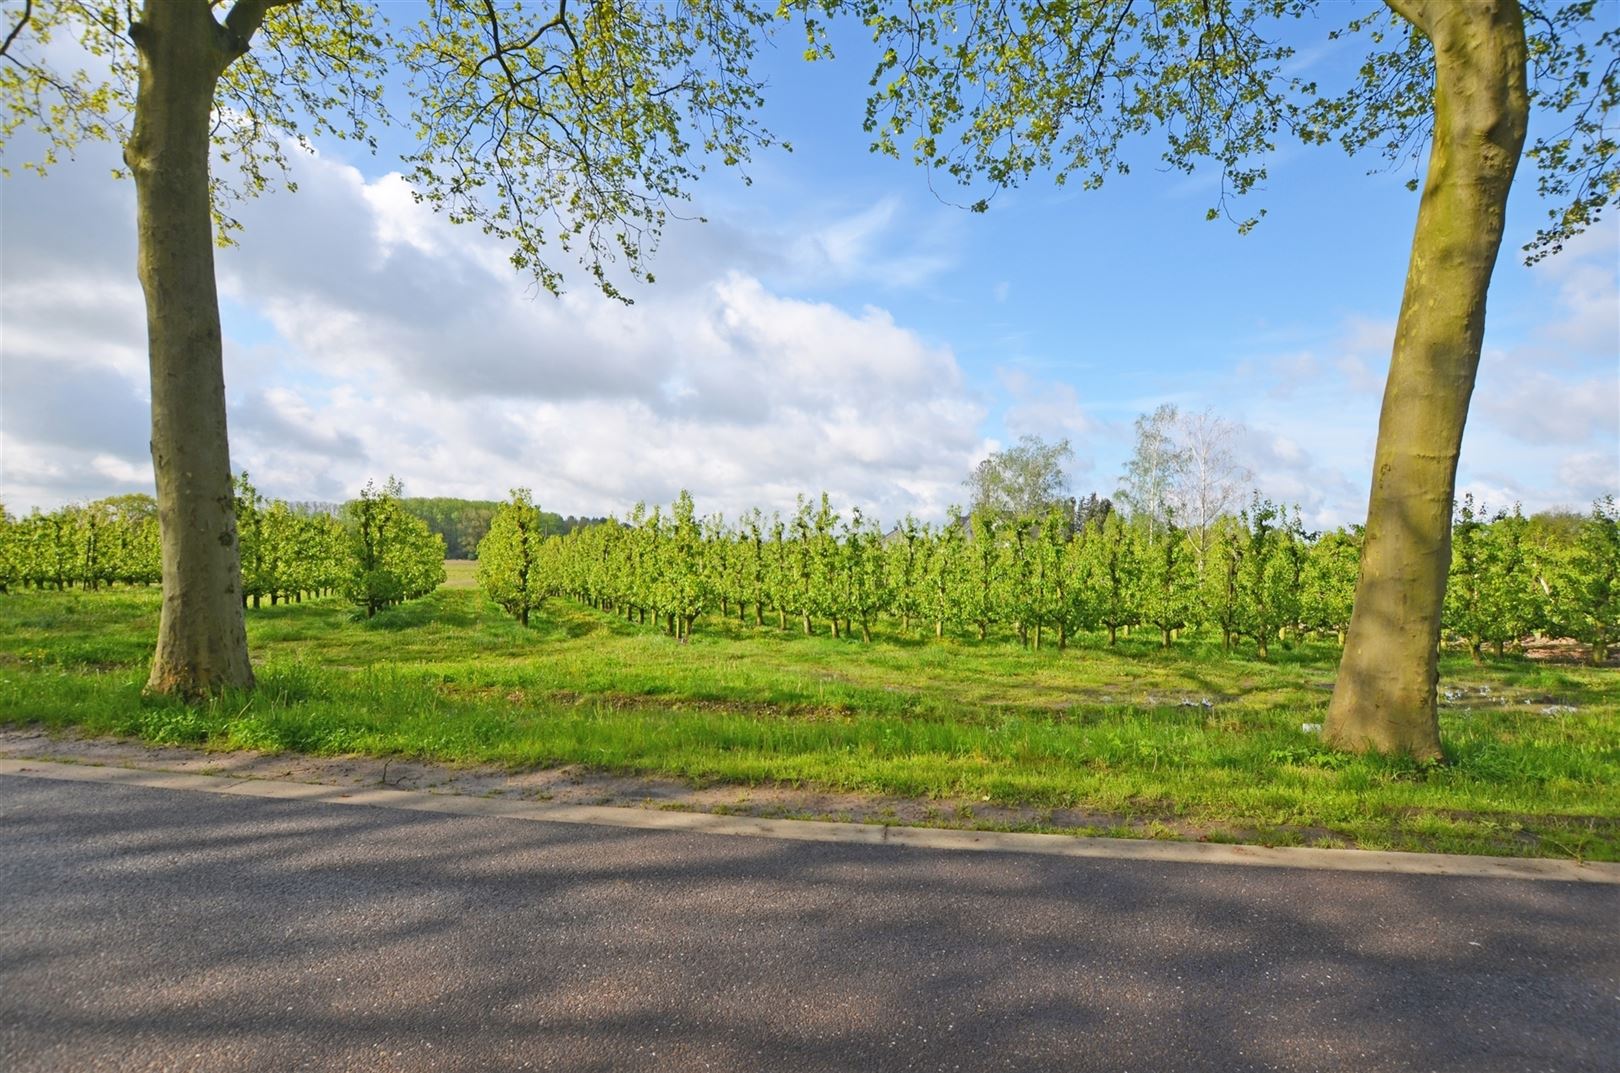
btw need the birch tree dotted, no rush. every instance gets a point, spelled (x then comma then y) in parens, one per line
(1210, 480)
(1148, 486)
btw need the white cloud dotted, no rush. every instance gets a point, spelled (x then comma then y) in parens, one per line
(1543, 430)
(1591, 475)
(1539, 408)
(1588, 282)
(1048, 408)
(399, 344)
(877, 245)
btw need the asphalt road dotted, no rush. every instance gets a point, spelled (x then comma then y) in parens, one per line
(147, 929)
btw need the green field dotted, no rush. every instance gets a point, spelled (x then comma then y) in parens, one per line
(1186, 743)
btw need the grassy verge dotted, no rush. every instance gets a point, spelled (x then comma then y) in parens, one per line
(1208, 744)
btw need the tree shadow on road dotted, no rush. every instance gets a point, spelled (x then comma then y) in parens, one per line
(149, 928)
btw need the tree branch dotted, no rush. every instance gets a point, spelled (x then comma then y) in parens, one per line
(1415, 12)
(246, 16)
(27, 11)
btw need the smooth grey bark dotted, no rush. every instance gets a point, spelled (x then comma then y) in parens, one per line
(1384, 698)
(202, 639)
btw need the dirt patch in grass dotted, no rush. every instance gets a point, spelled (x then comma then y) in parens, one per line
(617, 701)
(1564, 650)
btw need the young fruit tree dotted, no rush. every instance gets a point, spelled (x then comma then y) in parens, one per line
(1113, 574)
(393, 556)
(1510, 600)
(509, 557)
(987, 91)
(1328, 586)
(1169, 581)
(1268, 577)
(1587, 594)
(1467, 608)
(575, 125)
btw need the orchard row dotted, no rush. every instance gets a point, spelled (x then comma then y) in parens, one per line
(1255, 577)
(91, 546)
(372, 551)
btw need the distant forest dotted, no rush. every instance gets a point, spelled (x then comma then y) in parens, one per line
(462, 522)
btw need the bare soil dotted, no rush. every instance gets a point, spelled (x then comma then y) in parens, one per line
(1564, 650)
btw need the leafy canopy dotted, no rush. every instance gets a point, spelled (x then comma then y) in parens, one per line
(991, 92)
(574, 125)
(1026, 478)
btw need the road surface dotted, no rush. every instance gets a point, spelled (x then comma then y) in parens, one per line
(148, 929)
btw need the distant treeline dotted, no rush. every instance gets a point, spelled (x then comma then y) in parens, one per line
(461, 522)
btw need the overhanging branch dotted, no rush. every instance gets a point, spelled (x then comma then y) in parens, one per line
(27, 12)
(246, 16)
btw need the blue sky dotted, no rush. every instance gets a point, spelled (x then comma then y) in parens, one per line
(834, 325)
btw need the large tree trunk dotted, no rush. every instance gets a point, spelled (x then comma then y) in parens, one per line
(202, 641)
(1384, 699)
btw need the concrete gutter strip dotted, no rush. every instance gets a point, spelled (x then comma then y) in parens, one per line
(822, 831)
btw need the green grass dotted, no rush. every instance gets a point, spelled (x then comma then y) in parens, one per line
(1193, 738)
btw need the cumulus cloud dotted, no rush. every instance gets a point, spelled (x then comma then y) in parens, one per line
(367, 336)
(1591, 474)
(1543, 430)
(1585, 275)
(1538, 408)
(1049, 408)
(74, 404)
(876, 246)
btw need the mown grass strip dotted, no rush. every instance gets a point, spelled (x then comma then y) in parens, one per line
(1190, 735)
